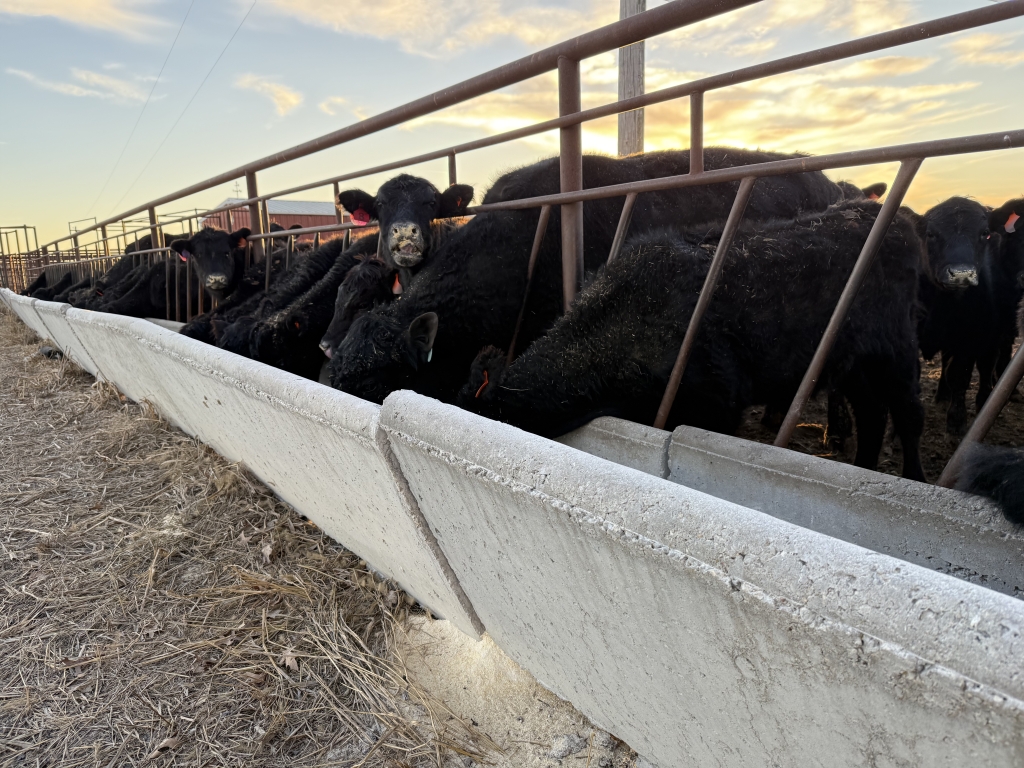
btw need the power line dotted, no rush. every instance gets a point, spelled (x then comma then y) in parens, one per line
(139, 118)
(146, 166)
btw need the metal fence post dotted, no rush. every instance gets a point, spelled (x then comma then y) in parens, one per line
(631, 83)
(255, 222)
(697, 133)
(570, 163)
(453, 176)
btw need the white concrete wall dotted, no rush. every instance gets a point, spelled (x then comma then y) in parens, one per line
(24, 308)
(316, 447)
(702, 632)
(53, 316)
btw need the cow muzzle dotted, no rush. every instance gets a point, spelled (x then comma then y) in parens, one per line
(326, 349)
(216, 282)
(406, 244)
(959, 276)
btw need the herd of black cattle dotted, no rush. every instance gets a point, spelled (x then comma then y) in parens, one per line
(428, 300)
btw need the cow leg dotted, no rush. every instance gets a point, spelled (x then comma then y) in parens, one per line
(904, 401)
(942, 392)
(958, 374)
(839, 426)
(870, 416)
(986, 363)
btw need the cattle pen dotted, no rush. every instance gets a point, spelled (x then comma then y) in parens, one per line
(814, 599)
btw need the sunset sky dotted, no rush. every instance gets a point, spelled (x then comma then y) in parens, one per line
(74, 75)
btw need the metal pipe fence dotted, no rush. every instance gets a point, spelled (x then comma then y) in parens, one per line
(564, 59)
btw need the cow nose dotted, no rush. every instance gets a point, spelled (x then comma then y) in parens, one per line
(216, 281)
(960, 276)
(326, 349)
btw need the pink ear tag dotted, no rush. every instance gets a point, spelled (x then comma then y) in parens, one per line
(396, 287)
(1011, 223)
(360, 217)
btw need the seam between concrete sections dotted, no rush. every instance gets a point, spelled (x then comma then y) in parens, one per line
(854, 492)
(85, 350)
(243, 386)
(666, 452)
(632, 539)
(420, 521)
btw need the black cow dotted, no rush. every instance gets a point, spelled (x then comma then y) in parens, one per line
(1007, 221)
(288, 338)
(35, 285)
(853, 192)
(612, 353)
(366, 285)
(998, 473)
(46, 293)
(217, 257)
(475, 283)
(404, 207)
(147, 296)
(968, 302)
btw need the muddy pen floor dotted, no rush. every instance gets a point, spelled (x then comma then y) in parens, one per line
(936, 446)
(158, 606)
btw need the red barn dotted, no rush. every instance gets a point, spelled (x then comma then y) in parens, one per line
(287, 213)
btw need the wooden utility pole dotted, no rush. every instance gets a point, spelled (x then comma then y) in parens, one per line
(631, 83)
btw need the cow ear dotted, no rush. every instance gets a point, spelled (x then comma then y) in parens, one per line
(1007, 217)
(455, 200)
(182, 247)
(875, 191)
(421, 334)
(240, 238)
(362, 207)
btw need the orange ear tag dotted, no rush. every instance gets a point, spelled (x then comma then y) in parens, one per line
(396, 288)
(1011, 223)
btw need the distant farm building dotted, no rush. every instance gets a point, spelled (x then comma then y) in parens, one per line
(287, 213)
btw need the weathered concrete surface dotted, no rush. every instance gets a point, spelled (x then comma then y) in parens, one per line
(624, 442)
(316, 447)
(24, 308)
(53, 316)
(170, 325)
(933, 527)
(706, 633)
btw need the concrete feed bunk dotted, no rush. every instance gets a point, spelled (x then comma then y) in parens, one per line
(824, 629)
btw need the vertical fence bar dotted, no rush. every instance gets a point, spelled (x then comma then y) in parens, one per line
(268, 246)
(696, 133)
(739, 205)
(620, 231)
(631, 83)
(538, 239)
(570, 163)
(255, 222)
(154, 231)
(106, 245)
(908, 169)
(188, 289)
(453, 176)
(316, 242)
(986, 416)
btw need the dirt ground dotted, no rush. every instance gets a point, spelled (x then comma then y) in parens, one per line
(936, 446)
(158, 606)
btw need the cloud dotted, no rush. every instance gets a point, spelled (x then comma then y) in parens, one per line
(987, 48)
(284, 98)
(831, 109)
(125, 17)
(331, 103)
(439, 28)
(104, 86)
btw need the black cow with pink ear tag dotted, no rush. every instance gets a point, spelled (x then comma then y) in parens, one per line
(218, 257)
(405, 208)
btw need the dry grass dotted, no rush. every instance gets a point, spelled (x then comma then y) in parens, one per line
(158, 606)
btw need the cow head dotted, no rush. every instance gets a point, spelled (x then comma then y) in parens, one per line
(366, 285)
(404, 207)
(1007, 221)
(380, 355)
(211, 252)
(959, 241)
